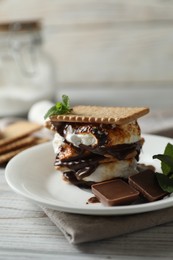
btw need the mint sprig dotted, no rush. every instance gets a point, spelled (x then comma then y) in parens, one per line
(165, 179)
(165, 182)
(59, 108)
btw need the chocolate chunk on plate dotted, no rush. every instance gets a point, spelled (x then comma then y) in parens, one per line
(146, 183)
(114, 192)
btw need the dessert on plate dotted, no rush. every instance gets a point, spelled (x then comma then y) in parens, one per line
(93, 144)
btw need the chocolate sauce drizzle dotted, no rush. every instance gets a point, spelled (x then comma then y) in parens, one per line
(82, 166)
(119, 151)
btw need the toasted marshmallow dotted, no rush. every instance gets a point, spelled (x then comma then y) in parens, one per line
(77, 139)
(124, 134)
(58, 142)
(108, 171)
(75, 135)
(128, 133)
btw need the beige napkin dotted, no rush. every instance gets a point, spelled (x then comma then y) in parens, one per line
(83, 228)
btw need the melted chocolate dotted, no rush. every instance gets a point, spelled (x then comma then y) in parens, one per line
(86, 171)
(92, 200)
(100, 135)
(79, 163)
(59, 126)
(70, 177)
(99, 131)
(119, 151)
(83, 165)
(81, 168)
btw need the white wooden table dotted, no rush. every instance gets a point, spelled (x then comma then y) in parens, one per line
(27, 233)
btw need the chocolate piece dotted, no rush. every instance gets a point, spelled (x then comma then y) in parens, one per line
(92, 200)
(114, 192)
(146, 183)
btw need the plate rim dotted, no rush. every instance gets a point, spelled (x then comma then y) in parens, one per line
(116, 210)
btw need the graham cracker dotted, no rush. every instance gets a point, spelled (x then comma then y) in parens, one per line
(104, 115)
(18, 130)
(17, 144)
(1, 135)
(6, 156)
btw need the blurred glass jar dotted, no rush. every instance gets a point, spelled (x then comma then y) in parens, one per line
(26, 71)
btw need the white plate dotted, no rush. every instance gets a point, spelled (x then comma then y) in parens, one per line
(32, 175)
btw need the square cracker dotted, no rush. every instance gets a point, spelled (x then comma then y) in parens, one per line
(17, 144)
(104, 115)
(7, 155)
(18, 130)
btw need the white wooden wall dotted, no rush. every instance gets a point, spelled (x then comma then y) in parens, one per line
(108, 52)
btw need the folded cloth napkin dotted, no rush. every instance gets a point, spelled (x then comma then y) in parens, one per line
(83, 228)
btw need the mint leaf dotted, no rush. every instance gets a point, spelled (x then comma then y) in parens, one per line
(167, 162)
(165, 182)
(170, 175)
(66, 102)
(50, 112)
(59, 108)
(165, 179)
(168, 151)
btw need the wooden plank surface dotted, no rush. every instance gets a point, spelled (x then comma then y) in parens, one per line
(26, 232)
(155, 98)
(112, 44)
(72, 12)
(114, 55)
